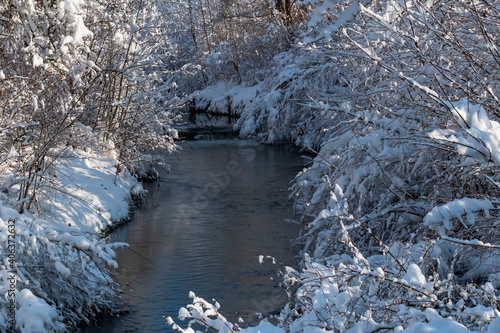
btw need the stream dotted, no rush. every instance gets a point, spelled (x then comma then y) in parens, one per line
(202, 229)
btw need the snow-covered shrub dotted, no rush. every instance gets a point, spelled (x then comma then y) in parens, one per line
(61, 277)
(382, 158)
(348, 293)
(418, 158)
(131, 102)
(64, 86)
(204, 314)
(391, 185)
(231, 40)
(394, 291)
(285, 107)
(246, 53)
(386, 121)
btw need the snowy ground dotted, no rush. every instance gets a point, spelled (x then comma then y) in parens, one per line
(54, 272)
(99, 196)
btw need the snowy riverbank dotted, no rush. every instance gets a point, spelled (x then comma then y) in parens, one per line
(55, 273)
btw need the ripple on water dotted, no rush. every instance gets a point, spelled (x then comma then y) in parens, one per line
(202, 230)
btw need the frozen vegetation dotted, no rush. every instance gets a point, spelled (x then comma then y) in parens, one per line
(398, 99)
(81, 104)
(57, 256)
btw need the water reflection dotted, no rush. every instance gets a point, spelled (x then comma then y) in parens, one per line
(202, 229)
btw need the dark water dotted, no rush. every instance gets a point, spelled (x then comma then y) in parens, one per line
(203, 227)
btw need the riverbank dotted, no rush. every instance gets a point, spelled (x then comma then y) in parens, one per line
(57, 270)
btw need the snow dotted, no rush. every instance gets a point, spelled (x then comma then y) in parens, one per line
(442, 325)
(494, 326)
(72, 9)
(443, 216)
(479, 137)
(225, 97)
(414, 275)
(62, 236)
(37, 60)
(34, 314)
(263, 327)
(346, 16)
(473, 242)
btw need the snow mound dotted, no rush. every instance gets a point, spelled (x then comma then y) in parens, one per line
(35, 315)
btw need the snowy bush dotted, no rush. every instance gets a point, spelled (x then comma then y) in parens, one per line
(61, 276)
(77, 75)
(395, 291)
(79, 81)
(348, 293)
(203, 313)
(395, 135)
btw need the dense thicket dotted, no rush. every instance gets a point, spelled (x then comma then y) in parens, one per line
(78, 80)
(79, 75)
